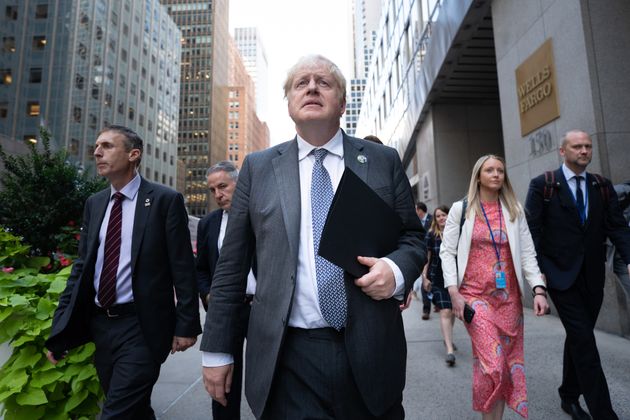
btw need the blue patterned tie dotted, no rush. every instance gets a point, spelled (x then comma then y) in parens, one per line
(330, 288)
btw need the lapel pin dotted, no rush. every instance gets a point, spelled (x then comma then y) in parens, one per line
(147, 202)
(362, 158)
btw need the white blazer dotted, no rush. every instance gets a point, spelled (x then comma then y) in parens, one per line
(455, 249)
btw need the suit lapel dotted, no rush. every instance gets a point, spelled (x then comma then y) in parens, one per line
(354, 157)
(592, 194)
(143, 209)
(213, 236)
(100, 206)
(287, 173)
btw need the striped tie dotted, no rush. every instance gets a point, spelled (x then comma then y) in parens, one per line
(107, 284)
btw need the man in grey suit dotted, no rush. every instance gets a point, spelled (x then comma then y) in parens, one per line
(321, 344)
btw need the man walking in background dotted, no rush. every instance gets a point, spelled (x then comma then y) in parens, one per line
(425, 219)
(222, 179)
(570, 214)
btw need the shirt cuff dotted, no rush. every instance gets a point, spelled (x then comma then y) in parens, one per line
(216, 359)
(399, 292)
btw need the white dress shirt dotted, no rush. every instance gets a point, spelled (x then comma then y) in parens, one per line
(124, 292)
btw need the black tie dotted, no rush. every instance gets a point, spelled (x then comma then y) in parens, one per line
(579, 198)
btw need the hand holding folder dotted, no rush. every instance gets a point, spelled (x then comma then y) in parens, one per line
(359, 222)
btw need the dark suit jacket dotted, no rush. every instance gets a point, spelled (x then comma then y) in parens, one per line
(161, 260)
(208, 231)
(563, 245)
(427, 222)
(265, 220)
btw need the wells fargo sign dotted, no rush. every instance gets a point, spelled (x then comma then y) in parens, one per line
(536, 89)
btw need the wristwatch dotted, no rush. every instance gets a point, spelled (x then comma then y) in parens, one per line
(543, 293)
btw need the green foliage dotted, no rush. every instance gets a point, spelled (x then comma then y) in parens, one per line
(43, 194)
(30, 386)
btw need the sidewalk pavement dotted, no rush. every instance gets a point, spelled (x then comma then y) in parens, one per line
(433, 391)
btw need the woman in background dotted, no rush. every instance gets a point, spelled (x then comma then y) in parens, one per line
(485, 261)
(434, 281)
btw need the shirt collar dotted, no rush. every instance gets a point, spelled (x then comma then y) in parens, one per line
(334, 146)
(568, 173)
(130, 190)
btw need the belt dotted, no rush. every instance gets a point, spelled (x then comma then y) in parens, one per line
(116, 311)
(328, 334)
(249, 299)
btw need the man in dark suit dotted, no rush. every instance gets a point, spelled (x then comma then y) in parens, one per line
(570, 219)
(134, 251)
(425, 219)
(320, 343)
(222, 179)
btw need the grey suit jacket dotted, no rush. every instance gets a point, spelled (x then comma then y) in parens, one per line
(265, 219)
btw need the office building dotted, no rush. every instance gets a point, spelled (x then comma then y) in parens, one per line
(246, 133)
(250, 45)
(202, 112)
(451, 81)
(75, 67)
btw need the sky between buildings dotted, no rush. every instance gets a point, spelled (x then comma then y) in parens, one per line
(291, 29)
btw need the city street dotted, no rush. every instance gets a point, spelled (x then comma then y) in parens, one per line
(433, 390)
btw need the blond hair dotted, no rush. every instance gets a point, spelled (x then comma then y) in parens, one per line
(506, 193)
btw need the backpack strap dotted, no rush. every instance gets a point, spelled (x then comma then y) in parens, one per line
(550, 184)
(600, 183)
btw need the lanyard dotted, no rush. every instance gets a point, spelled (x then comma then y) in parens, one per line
(497, 249)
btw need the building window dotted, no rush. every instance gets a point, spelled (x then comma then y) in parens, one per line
(35, 75)
(11, 12)
(82, 50)
(8, 44)
(79, 81)
(6, 78)
(39, 42)
(95, 91)
(123, 55)
(99, 33)
(4, 109)
(108, 100)
(32, 108)
(97, 60)
(30, 138)
(41, 11)
(132, 113)
(122, 80)
(76, 113)
(92, 121)
(74, 147)
(121, 108)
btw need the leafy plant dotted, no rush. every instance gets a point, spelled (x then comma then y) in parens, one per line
(30, 386)
(43, 194)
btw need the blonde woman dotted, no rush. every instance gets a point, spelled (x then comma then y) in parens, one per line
(485, 261)
(433, 281)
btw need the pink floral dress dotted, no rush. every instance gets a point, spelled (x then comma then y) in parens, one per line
(496, 331)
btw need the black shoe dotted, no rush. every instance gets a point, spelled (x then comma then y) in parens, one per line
(450, 359)
(426, 316)
(574, 410)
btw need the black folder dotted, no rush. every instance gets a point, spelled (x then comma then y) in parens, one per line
(359, 222)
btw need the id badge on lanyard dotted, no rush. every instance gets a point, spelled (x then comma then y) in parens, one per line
(499, 267)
